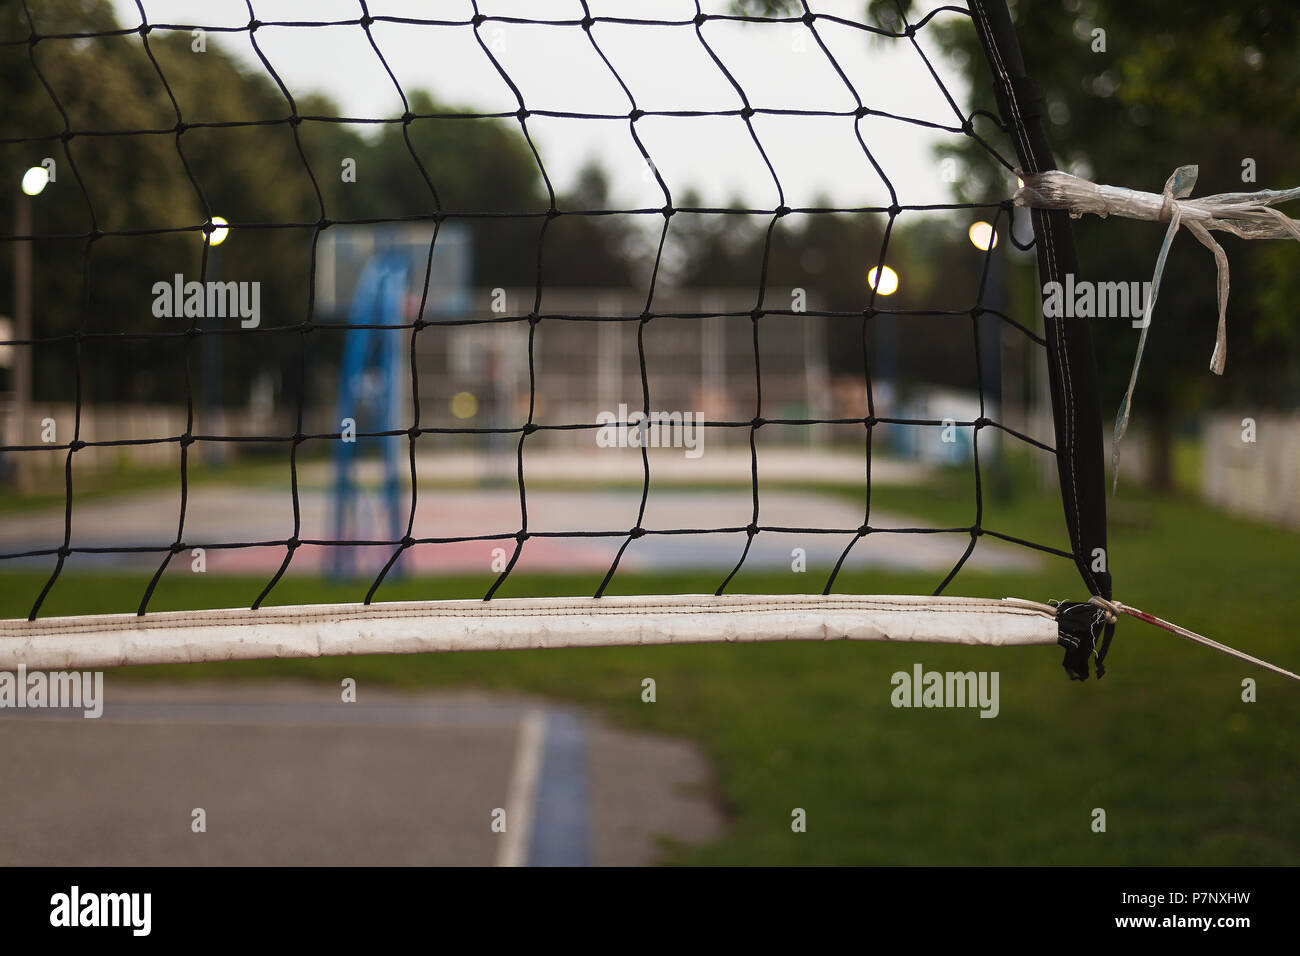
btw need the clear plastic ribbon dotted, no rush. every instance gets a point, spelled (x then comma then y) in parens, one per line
(1248, 215)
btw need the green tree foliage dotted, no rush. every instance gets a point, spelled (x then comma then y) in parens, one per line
(1204, 83)
(151, 137)
(1165, 85)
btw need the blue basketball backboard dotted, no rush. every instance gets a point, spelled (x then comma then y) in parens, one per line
(342, 252)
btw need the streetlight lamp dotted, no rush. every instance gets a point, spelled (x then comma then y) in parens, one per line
(984, 237)
(35, 180)
(214, 422)
(33, 183)
(884, 280)
(220, 229)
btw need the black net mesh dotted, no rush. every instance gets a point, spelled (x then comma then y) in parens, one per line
(81, 72)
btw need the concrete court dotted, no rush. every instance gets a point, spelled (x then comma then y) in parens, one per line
(222, 513)
(288, 774)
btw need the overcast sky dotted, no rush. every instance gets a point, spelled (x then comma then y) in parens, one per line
(666, 68)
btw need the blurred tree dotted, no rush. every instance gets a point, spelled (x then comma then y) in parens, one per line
(106, 105)
(1204, 83)
(1208, 84)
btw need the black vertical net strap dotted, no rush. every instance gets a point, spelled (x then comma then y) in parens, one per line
(79, 147)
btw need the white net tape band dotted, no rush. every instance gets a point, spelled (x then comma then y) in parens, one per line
(514, 624)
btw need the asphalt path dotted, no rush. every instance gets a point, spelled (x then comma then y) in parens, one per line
(289, 774)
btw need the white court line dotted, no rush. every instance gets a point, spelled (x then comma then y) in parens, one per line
(522, 793)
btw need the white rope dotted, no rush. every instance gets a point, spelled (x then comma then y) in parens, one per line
(1248, 215)
(1115, 608)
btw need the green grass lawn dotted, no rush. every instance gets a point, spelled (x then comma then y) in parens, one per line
(1186, 772)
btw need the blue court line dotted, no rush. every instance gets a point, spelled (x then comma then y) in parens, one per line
(560, 826)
